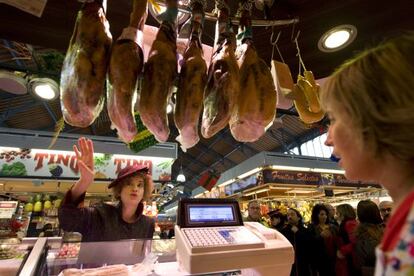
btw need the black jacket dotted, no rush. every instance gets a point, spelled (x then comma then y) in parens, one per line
(302, 242)
(102, 223)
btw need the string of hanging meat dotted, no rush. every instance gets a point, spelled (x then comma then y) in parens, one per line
(192, 80)
(255, 107)
(223, 76)
(84, 67)
(160, 72)
(126, 63)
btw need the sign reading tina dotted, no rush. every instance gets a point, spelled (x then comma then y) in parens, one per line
(63, 164)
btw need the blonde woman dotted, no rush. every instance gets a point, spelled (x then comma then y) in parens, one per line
(106, 222)
(370, 103)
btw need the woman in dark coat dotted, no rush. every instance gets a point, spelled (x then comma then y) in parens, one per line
(107, 222)
(324, 235)
(300, 238)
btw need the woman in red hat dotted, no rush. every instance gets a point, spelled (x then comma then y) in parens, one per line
(107, 222)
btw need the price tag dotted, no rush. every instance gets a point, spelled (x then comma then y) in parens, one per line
(34, 7)
(7, 209)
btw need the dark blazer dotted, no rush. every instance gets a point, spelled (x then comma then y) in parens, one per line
(102, 223)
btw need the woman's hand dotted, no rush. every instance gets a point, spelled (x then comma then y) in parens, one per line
(84, 155)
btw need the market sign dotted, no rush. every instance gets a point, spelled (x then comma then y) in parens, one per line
(39, 163)
(310, 178)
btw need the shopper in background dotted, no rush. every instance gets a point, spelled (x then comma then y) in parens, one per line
(331, 214)
(255, 213)
(370, 103)
(324, 235)
(368, 235)
(277, 220)
(300, 238)
(346, 217)
(106, 222)
(385, 208)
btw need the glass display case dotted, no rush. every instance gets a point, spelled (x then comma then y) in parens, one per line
(13, 254)
(127, 257)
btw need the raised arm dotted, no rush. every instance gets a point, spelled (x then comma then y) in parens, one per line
(84, 155)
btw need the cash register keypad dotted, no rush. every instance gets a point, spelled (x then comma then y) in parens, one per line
(208, 237)
(220, 236)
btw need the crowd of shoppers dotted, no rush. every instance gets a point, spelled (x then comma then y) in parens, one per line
(337, 240)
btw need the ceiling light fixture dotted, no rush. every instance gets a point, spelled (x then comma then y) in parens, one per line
(181, 176)
(44, 88)
(181, 17)
(337, 38)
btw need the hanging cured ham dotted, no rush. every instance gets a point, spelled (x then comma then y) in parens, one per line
(126, 63)
(223, 77)
(255, 107)
(160, 72)
(85, 66)
(193, 77)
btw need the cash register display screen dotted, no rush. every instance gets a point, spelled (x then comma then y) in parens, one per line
(210, 214)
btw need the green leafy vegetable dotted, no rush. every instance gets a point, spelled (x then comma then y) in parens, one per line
(15, 169)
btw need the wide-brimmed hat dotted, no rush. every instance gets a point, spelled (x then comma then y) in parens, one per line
(128, 171)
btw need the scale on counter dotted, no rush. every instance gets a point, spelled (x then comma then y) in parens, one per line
(211, 237)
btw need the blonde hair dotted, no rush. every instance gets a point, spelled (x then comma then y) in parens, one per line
(375, 90)
(116, 190)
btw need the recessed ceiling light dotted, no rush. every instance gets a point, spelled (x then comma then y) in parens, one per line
(44, 88)
(337, 38)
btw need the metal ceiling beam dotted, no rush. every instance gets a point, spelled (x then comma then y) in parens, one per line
(50, 111)
(210, 150)
(16, 110)
(200, 163)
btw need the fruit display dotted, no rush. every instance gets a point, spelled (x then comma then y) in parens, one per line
(9, 253)
(47, 203)
(38, 206)
(68, 250)
(28, 207)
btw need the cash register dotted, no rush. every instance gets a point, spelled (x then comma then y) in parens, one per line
(212, 237)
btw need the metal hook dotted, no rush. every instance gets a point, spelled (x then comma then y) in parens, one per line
(296, 38)
(274, 42)
(293, 30)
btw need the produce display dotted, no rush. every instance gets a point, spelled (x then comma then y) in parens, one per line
(85, 66)
(123, 76)
(255, 107)
(160, 72)
(9, 253)
(68, 250)
(223, 77)
(193, 77)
